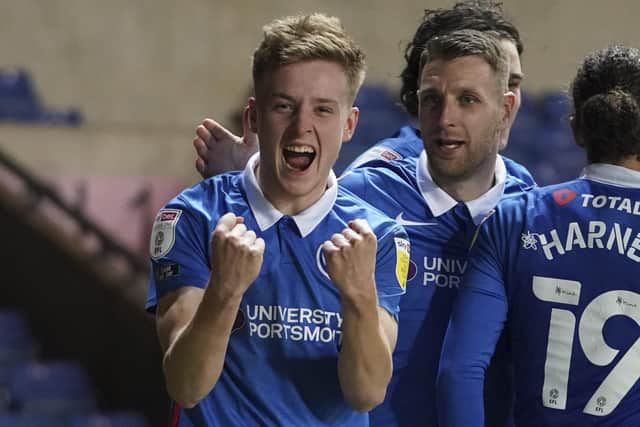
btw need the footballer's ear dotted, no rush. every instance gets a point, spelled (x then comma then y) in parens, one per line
(576, 135)
(509, 104)
(350, 124)
(252, 115)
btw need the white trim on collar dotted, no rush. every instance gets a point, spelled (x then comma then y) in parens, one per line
(607, 173)
(266, 214)
(440, 202)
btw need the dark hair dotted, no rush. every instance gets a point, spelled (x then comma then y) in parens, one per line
(605, 92)
(458, 44)
(479, 15)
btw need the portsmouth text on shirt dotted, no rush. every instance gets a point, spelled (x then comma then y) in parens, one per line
(293, 323)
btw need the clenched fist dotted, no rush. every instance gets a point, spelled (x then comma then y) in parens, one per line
(236, 255)
(351, 258)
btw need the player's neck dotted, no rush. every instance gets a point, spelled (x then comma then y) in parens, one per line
(465, 189)
(284, 201)
(631, 162)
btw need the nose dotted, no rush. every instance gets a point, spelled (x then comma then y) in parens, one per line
(448, 113)
(303, 121)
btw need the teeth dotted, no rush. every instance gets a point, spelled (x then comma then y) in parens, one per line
(449, 142)
(300, 149)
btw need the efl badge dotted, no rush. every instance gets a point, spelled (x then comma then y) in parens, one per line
(402, 260)
(163, 234)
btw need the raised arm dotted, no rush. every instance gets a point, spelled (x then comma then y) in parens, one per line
(194, 325)
(369, 332)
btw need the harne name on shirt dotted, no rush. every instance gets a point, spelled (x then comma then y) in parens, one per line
(294, 323)
(591, 235)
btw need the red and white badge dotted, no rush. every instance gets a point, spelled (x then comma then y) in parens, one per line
(163, 234)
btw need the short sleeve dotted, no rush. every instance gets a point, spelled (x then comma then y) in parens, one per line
(178, 250)
(392, 267)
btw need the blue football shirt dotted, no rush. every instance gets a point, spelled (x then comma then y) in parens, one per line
(440, 231)
(559, 266)
(281, 362)
(407, 142)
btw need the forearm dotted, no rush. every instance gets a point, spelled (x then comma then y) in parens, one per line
(467, 349)
(364, 364)
(194, 360)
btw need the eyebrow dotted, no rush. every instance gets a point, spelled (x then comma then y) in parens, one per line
(282, 95)
(292, 99)
(516, 76)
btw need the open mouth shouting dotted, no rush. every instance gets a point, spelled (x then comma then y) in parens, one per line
(299, 157)
(448, 144)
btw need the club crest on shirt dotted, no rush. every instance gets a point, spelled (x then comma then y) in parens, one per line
(321, 262)
(163, 234)
(403, 248)
(529, 240)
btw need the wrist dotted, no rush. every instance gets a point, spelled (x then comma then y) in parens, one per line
(360, 302)
(223, 295)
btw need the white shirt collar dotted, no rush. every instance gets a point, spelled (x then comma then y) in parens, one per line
(266, 214)
(612, 174)
(440, 202)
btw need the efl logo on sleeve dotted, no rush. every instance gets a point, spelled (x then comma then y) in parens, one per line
(402, 260)
(163, 234)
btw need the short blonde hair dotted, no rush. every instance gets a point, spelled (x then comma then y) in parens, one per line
(301, 38)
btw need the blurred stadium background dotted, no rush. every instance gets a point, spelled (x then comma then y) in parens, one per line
(98, 102)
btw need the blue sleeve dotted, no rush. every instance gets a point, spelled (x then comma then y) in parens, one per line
(405, 143)
(355, 182)
(179, 251)
(519, 171)
(392, 266)
(478, 318)
(379, 151)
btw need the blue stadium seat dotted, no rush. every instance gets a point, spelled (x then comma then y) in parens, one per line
(22, 420)
(17, 346)
(16, 342)
(541, 139)
(555, 107)
(374, 97)
(529, 104)
(19, 101)
(115, 419)
(380, 116)
(54, 388)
